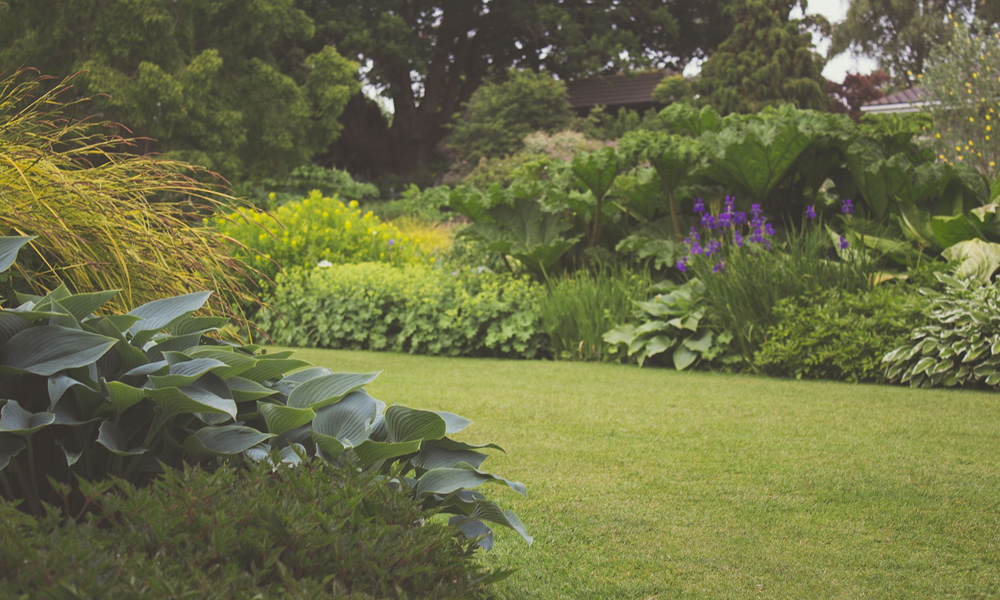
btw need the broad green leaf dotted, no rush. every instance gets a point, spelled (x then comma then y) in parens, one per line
(443, 481)
(112, 438)
(328, 447)
(349, 420)
(145, 370)
(487, 510)
(236, 362)
(702, 343)
(406, 424)
(48, 349)
(82, 306)
(657, 344)
(683, 357)
(271, 368)
(156, 315)
(16, 420)
(11, 323)
(328, 389)
(9, 448)
(9, 246)
(450, 444)
(453, 423)
(224, 441)
(195, 398)
(185, 373)
(975, 259)
(623, 334)
(197, 325)
(122, 396)
(58, 385)
(371, 453)
(950, 230)
(597, 170)
(433, 457)
(280, 418)
(246, 390)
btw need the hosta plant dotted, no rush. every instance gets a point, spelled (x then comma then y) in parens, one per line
(91, 395)
(673, 324)
(960, 346)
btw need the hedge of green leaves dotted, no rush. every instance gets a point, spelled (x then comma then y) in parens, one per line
(415, 309)
(840, 335)
(302, 533)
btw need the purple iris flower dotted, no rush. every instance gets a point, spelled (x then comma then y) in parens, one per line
(843, 243)
(847, 207)
(682, 265)
(810, 212)
(699, 205)
(719, 268)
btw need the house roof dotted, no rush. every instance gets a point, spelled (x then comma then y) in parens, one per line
(614, 90)
(909, 100)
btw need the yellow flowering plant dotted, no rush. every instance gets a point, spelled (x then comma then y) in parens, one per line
(317, 230)
(963, 85)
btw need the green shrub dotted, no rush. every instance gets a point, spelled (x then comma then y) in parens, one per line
(579, 307)
(317, 228)
(840, 335)
(959, 345)
(91, 396)
(414, 309)
(673, 330)
(429, 204)
(308, 532)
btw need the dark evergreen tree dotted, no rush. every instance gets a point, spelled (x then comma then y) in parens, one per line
(767, 60)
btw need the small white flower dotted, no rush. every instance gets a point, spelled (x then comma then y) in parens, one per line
(324, 263)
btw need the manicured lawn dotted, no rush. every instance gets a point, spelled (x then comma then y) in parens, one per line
(655, 484)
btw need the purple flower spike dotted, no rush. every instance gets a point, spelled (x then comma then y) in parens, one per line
(730, 200)
(847, 207)
(696, 248)
(738, 239)
(699, 205)
(719, 268)
(708, 221)
(682, 265)
(843, 243)
(810, 212)
(756, 211)
(768, 229)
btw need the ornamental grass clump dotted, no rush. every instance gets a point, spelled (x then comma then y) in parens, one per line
(747, 268)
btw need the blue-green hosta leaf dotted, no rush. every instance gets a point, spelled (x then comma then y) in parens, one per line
(280, 418)
(119, 323)
(443, 481)
(197, 325)
(236, 362)
(702, 343)
(976, 259)
(371, 453)
(349, 420)
(16, 420)
(71, 456)
(293, 380)
(9, 448)
(48, 349)
(328, 389)
(450, 444)
(167, 344)
(67, 413)
(203, 396)
(269, 367)
(112, 438)
(487, 510)
(224, 441)
(658, 344)
(159, 367)
(9, 245)
(59, 384)
(453, 423)
(11, 323)
(473, 528)
(246, 390)
(82, 306)
(407, 424)
(433, 457)
(122, 396)
(623, 334)
(185, 373)
(156, 315)
(328, 447)
(683, 357)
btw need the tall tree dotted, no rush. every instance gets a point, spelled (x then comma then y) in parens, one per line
(900, 34)
(429, 57)
(769, 59)
(228, 84)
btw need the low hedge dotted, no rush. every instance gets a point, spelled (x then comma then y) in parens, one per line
(839, 335)
(414, 309)
(308, 532)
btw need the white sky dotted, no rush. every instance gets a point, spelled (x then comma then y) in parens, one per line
(836, 11)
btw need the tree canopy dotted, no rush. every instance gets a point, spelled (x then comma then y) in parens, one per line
(900, 34)
(229, 84)
(429, 57)
(767, 60)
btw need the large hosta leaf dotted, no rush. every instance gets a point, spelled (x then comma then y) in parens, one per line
(9, 448)
(156, 315)
(204, 396)
(112, 438)
(280, 418)
(82, 306)
(245, 390)
(487, 510)
(122, 396)
(443, 481)
(371, 453)
(16, 420)
(328, 389)
(48, 349)
(9, 246)
(186, 373)
(407, 424)
(236, 362)
(224, 441)
(975, 258)
(349, 420)
(434, 457)
(271, 368)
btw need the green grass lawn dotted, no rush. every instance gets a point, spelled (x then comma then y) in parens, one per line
(656, 484)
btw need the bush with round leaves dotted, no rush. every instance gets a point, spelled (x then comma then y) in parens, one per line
(91, 395)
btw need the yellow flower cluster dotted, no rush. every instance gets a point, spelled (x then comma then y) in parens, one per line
(317, 230)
